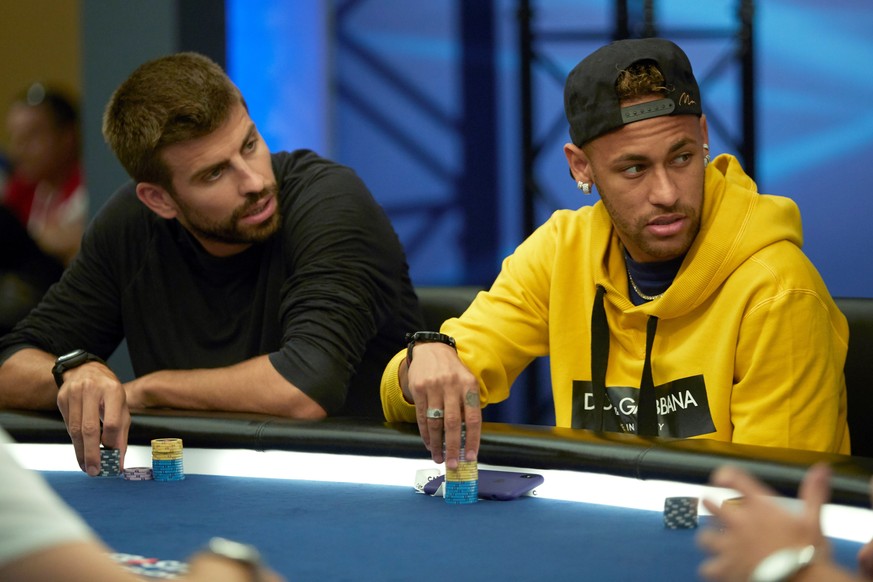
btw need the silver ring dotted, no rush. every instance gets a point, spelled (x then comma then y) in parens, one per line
(435, 413)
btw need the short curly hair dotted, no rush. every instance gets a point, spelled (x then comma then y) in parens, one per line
(164, 102)
(641, 79)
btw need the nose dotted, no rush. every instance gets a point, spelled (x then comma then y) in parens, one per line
(251, 180)
(663, 190)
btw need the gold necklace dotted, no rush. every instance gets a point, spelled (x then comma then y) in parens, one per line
(638, 291)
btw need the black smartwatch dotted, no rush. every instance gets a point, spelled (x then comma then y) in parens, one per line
(69, 361)
(782, 565)
(421, 337)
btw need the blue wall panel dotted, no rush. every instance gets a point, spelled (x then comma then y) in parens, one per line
(376, 84)
(278, 54)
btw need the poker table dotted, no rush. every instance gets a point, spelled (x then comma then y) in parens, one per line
(334, 499)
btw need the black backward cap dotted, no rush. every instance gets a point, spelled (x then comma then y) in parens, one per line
(590, 101)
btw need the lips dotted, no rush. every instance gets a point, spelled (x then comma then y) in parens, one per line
(261, 211)
(257, 208)
(666, 225)
(665, 219)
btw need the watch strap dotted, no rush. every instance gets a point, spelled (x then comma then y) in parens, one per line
(426, 337)
(782, 565)
(66, 362)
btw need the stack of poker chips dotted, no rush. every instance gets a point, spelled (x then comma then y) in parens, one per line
(462, 484)
(110, 462)
(167, 460)
(138, 474)
(680, 512)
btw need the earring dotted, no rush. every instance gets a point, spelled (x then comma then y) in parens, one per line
(706, 158)
(584, 186)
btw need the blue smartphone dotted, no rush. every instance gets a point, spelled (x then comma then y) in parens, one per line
(497, 485)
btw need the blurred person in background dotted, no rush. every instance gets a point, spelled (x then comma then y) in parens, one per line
(45, 190)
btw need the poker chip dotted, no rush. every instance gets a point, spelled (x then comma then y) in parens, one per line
(167, 460)
(138, 474)
(110, 462)
(150, 567)
(462, 484)
(680, 512)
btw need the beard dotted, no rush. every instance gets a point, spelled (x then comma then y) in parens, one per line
(230, 231)
(660, 250)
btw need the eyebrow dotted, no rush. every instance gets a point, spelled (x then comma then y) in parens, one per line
(201, 174)
(678, 145)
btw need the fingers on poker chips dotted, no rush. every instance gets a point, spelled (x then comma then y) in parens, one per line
(166, 463)
(680, 512)
(462, 484)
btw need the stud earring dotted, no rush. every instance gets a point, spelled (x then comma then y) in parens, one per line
(584, 186)
(706, 158)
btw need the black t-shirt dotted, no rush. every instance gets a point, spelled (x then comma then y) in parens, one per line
(328, 297)
(19, 254)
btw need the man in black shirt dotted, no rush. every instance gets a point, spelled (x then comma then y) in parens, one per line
(242, 280)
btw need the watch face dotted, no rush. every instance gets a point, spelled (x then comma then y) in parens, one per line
(235, 550)
(782, 564)
(74, 358)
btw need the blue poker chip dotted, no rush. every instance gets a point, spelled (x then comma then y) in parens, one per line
(461, 492)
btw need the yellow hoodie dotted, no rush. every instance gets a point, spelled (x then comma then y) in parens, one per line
(749, 346)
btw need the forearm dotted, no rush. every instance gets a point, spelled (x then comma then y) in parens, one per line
(395, 406)
(91, 562)
(26, 381)
(250, 386)
(85, 561)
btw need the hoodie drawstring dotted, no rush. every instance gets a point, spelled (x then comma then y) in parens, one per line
(599, 356)
(647, 417)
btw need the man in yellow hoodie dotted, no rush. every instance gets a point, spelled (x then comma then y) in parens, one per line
(679, 305)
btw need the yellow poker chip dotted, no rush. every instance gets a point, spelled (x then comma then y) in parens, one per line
(166, 444)
(462, 484)
(172, 455)
(171, 441)
(466, 471)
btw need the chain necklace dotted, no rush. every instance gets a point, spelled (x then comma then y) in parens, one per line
(638, 291)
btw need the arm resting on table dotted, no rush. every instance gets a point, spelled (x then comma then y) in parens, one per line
(250, 386)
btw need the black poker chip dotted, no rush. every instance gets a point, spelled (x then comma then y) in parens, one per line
(680, 512)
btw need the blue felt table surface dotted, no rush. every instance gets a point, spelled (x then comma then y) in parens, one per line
(314, 530)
